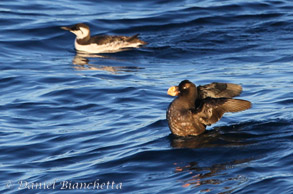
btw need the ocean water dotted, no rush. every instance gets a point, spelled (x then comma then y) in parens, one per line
(72, 123)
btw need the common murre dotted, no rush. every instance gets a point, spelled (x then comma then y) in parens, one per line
(101, 43)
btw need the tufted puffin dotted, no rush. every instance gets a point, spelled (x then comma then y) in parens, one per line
(196, 107)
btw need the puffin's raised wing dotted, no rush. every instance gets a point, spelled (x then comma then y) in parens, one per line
(211, 110)
(219, 90)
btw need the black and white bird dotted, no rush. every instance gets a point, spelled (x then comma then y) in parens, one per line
(197, 107)
(84, 42)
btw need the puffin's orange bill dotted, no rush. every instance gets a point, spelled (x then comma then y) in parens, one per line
(173, 91)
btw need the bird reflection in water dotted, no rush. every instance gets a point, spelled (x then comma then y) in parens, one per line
(209, 176)
(81, 62)
(206, 177)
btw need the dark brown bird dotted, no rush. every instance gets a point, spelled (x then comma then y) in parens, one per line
(197, 107)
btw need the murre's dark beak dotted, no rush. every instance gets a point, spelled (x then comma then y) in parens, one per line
(66, 28)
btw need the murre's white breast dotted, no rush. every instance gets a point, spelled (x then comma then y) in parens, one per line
(105, 48)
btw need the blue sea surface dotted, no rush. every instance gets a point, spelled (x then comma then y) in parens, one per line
(72, 123)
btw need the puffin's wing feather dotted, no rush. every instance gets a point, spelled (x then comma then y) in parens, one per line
(212, 109)
(219, 90)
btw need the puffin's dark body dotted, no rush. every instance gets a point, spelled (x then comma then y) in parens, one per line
(196, 107)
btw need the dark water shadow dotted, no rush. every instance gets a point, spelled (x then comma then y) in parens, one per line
(219, 136)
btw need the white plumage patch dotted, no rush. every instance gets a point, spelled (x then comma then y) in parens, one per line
(81, 33)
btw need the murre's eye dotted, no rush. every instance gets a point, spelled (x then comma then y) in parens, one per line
(75, 28)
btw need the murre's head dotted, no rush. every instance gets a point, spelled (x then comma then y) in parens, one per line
(80, 30)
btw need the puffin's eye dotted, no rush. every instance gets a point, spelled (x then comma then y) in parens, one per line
(185, 87)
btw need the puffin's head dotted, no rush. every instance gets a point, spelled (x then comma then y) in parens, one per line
(80, 30)
(184, 88)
